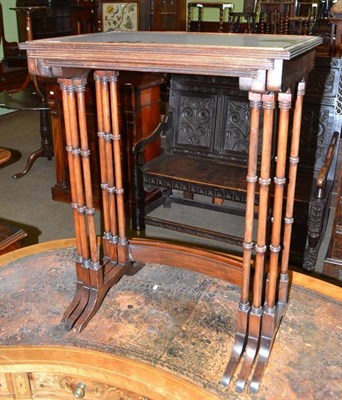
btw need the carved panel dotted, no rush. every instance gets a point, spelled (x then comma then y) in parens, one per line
(315, 136)
(151, 182)
(236, 129)
(322, 82)
(323, 79)
(196, 121)
(59, 386)
(339, 99)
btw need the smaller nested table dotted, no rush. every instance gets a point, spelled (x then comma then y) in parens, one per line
(273, 70)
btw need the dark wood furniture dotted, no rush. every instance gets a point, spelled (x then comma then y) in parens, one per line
(268, 67)
(139, 104)
(11, 77)
(52, 19)
(11, 238)
(167, 15)
(84, 16)
(333, 259)
(5, 155)
(321, 117)
(336, 37)
(13, 71)
(208, 132)
(196, 10)
(28, 100)
(227, 20)
(30, 97)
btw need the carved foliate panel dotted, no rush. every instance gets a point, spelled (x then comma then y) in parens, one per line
(236, 126)
(196, 121)
(315, 136)
(324, 78)
(322, 82)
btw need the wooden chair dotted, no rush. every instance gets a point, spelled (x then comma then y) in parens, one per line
(200, 7)
(205, 153)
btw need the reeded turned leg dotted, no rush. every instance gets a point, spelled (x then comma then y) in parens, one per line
(244, 306)
(276, 299)
(94, 277)
(255, 315)
(262, 320)
(269, 316)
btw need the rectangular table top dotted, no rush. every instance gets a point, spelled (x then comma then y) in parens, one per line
(184, 52)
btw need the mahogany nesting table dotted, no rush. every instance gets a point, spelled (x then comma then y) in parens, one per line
(273, 70)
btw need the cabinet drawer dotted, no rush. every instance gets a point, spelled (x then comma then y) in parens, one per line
(48, 386)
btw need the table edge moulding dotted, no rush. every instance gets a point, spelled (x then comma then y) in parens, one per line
(268, 67)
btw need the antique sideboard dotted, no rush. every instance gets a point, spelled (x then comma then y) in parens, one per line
(273, 70)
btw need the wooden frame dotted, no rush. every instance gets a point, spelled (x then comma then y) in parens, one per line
(119, 15)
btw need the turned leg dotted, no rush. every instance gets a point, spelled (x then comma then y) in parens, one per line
(80, 300)
(260, 247)
(244, 307)
(269, 316)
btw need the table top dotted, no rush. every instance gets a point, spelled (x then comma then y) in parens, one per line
(225, 54)
(177, 321)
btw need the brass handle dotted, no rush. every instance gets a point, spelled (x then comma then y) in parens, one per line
(79, 391)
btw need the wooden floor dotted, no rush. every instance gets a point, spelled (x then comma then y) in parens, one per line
(176, 322)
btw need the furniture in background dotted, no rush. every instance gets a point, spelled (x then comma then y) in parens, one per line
(31, 97)
(167, 15)
(28, 100)
(139, 104)
(208, 132)
(13, 69)
(52, 19)
(5, 155)
(196, 9)
(333, 260)
(336, 36)
(227, 19)
(321, 116)
(11, 237)
(84, 16)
